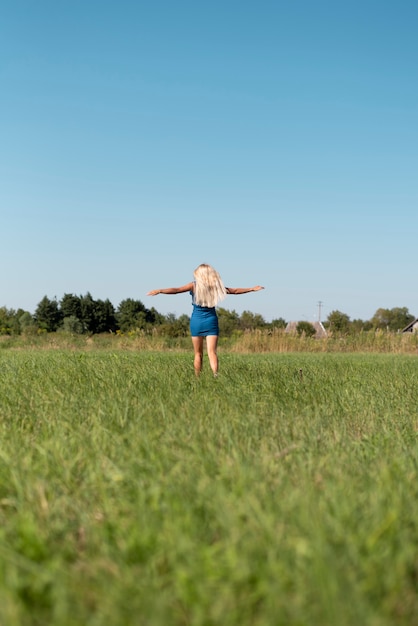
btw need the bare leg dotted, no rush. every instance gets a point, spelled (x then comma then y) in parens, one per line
(212, 345)
(198, 354)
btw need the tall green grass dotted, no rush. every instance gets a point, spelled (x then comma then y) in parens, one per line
(244, 342)
(283, 492)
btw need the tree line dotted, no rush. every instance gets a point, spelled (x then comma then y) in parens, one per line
(85, 315)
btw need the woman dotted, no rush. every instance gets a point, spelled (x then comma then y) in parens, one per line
(207, 291)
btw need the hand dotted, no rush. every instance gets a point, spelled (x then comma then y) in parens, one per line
(257, 288)
(154, 292)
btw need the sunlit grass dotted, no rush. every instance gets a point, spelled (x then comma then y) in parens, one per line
(283, 492)
(241, 342)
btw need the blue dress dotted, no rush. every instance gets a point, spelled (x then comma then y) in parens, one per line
(204, 320)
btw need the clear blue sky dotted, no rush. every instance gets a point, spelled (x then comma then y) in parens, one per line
(276, 140)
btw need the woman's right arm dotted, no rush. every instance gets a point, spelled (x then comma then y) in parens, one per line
(237, 291)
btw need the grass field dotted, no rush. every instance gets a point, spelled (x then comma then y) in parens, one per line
(285, 492)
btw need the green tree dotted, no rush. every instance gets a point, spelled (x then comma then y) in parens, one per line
(358, 325)
(175, 326)
(278, 323)
(228, 322)
(400, 317)
(26, 323)
(6, 321)
(153, 317)
(105, 317)
(306, 329)
(250, 321)
(48, 315)
(392, 319)
(70, 306)
(130, 314)
(338, 322)
(95, 316)
(87, 306)
(14, 322)
(73, 325)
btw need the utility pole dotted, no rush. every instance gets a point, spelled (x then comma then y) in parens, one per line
(320, 303)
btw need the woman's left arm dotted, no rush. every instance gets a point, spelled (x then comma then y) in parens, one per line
(170, 291)
(236, 291)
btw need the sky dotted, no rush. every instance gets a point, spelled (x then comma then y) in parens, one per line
(275, 140)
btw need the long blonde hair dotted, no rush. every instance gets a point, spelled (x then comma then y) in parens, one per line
(209, 288)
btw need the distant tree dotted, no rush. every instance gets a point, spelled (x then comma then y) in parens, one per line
(130, 314)
(338, 322)
(105, 317)
(359, 325)
(228, 321)
(170, 318)
(381, 319)
(73, 325)
(401, 317)
(88, 319)
(392, 319)
(153, 317)
(250, 321)
(306, 329)
(6, 321)
(48, 315)
(15, 322)
(26, 322)
(183, 324)
(278, 323)
(95, 316)
(70, 306)
(175, 326)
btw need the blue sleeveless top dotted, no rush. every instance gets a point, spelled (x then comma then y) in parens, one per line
(204, 320)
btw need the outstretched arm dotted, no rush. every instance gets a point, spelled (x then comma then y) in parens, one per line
(171, 290)
(236, 291)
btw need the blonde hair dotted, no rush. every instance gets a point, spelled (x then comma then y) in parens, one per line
(209, 288)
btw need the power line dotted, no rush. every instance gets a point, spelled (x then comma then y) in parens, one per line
(320, 303)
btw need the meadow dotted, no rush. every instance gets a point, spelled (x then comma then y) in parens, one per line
(284, 492)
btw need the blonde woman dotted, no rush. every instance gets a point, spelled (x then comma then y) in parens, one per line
(207, 290)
